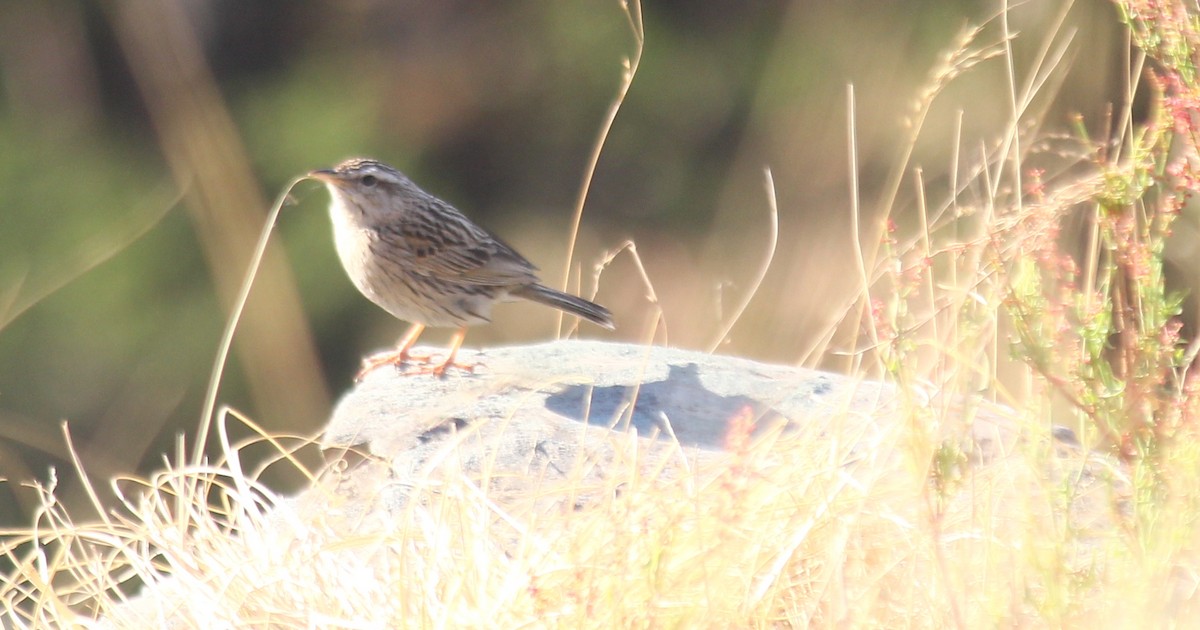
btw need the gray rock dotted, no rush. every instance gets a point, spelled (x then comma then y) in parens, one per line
(530, 415)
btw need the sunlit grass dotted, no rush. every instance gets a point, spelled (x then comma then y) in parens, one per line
(978, 297)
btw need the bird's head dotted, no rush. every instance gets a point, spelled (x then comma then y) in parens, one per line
(368, 187)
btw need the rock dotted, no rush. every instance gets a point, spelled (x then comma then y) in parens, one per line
(533, 415)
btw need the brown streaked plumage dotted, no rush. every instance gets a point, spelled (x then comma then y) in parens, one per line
(421, 260)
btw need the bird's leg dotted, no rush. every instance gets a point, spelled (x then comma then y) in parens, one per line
(440, 369)
(393, 357)
(455, 343)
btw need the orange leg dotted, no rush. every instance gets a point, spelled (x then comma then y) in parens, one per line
(394, 357)
(455, 343)
(400, 355)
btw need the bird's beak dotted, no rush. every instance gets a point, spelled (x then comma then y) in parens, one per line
(325, 175)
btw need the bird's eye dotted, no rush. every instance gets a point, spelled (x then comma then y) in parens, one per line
(369, 181)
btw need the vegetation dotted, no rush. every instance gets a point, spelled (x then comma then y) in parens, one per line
(1036, 272)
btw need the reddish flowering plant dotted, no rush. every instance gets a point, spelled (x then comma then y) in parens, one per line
(1101, 326)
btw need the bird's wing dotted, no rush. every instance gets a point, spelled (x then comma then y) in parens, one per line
(447, 245)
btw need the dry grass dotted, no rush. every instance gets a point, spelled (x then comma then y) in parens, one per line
(978, 295)
(795, 530)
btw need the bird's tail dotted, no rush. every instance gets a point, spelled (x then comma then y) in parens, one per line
(592, 312)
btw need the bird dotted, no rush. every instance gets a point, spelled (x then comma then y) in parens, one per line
(421, 260)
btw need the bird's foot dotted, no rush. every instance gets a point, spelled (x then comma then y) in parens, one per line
(396, 358)
(440, 369)
(410, 364)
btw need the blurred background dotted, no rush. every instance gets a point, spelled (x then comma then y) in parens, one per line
(144, 141)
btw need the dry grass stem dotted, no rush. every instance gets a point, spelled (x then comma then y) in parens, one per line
(1033, 272)
(633, 13)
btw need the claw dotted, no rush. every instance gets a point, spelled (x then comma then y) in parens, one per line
(396, 357)
(400, 356)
